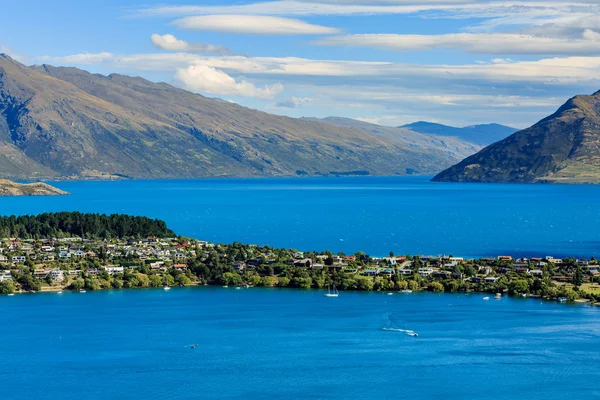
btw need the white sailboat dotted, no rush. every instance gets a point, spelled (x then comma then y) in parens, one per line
(331, 293)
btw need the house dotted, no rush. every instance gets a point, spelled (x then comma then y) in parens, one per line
(425, 272)
(389, 272)
(485, 270)
(536, 272)
(440, 274)
(451, 265)
(491, 279)
(57, 275)
(114, 269)
(370, 272)
(40, 273)
(19, 259)
(183, 267)
(63, 255)
(505, 258)
(390, 260)
(306, 262)
(405, 271)
(317, 266)
(5, 275)
(3, 259)
(239, 266)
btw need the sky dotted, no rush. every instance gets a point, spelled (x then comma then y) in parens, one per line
(390, 62)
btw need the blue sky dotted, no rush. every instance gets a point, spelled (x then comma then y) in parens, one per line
(391, 62)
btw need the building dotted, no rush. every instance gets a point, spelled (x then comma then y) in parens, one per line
(114, 269)
(5, 275)
(57, 275)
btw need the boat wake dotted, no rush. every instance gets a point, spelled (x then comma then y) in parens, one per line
(407, 331)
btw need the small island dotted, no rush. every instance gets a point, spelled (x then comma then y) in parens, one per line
(10, 188)
(80, 252)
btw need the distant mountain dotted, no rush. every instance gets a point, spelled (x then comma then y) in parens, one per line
(9, 188)
(562, 148)
(453, 147)
(482, 135)
(57, 122)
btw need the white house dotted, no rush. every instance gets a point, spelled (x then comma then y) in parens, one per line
(114, 269)
(5, 276)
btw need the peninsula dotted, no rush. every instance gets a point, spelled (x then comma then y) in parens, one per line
(74, 251)
(10, 188)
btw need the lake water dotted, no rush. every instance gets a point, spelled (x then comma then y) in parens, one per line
(376, 215)
(292, 344)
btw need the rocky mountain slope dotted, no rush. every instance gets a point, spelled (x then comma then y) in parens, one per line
(562, 148)
(57, 122)
(482, 135)
(9, 188)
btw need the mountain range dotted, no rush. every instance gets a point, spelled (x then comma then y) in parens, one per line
(482, 135)
(562, 148)
(58, 122)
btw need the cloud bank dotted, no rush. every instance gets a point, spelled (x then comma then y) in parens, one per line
(171, 43)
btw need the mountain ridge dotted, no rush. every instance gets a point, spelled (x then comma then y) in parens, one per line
(66, 122)
(561, 148)
(480, 134)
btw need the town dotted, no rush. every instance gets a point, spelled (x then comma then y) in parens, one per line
(80, 264)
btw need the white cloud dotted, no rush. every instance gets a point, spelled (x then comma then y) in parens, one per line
(81, 58)
(171, 43)
(205, 79)
(553, 71)
(294, 102)
(462, 9)
(252, 24)
(481, 43)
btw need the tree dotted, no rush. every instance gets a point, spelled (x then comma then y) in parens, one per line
(519, 286)
(181, 279)
(402, 285)
(413, 285)
(7, 287)
(77, 284)
(436, 287)
(155, 281)
(92, 284)
(364, 283)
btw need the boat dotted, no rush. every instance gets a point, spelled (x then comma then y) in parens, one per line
(166, 288)
(11, 294)
(390, 294)
(82, 291)
(498, 296)
(486, 298)
(331, 293)
(562, 299)
(406, 291)
(59, 292)
(225, 286)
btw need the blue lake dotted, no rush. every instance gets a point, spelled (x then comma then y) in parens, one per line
(292, 344)
(407, 215)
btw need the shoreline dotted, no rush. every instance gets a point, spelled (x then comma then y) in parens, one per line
(56, 290)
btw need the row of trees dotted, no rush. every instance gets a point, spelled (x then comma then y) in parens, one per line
(93, 226)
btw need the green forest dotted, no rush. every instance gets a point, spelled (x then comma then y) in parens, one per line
(92, 226)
